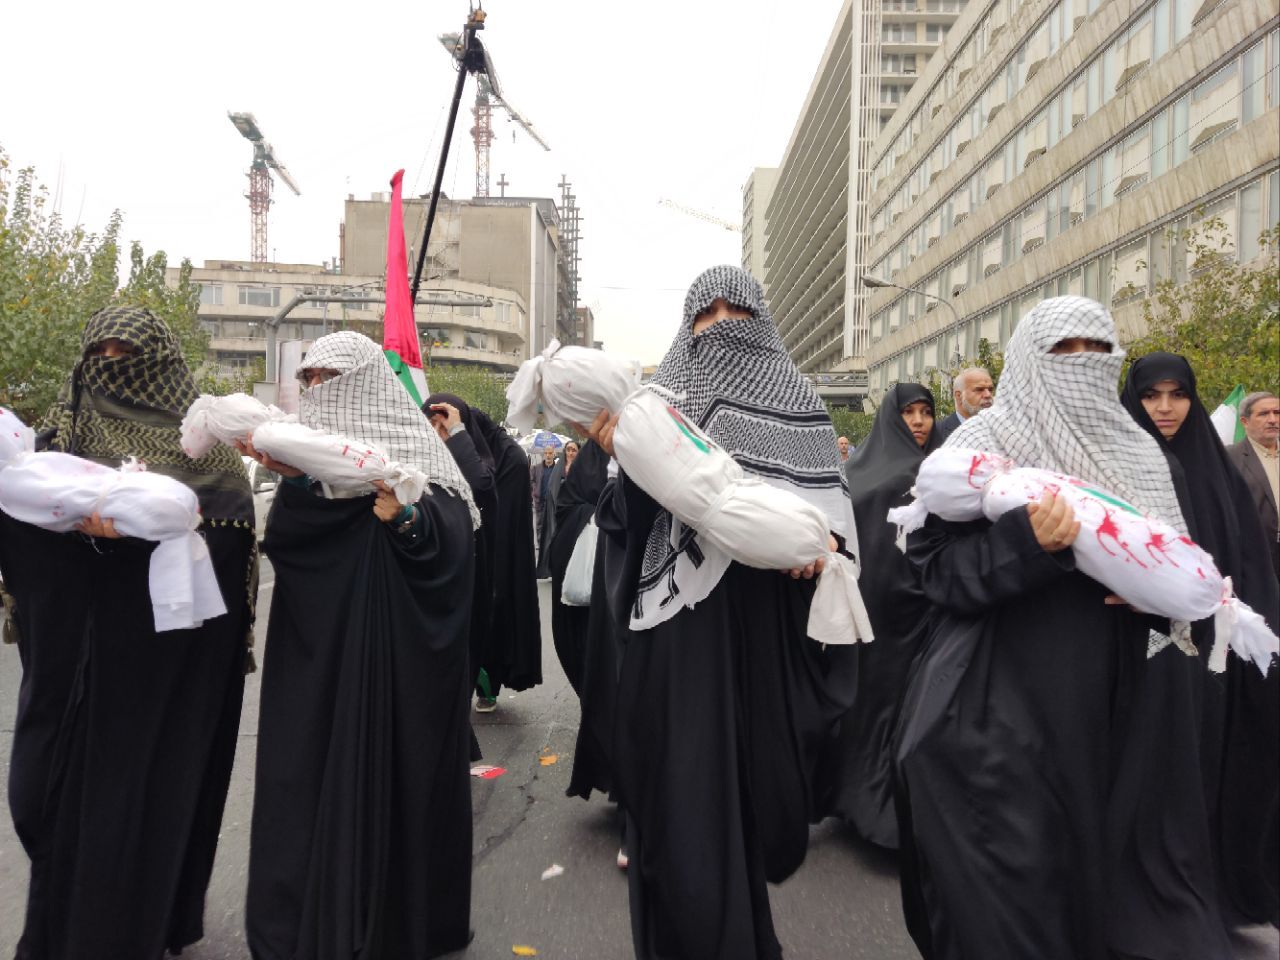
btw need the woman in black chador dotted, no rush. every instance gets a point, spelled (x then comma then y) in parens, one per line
(575, 505)
(1047, 776)
(1240, 737)
(723, 702)
(857, 774)
(125, 737)
(361, 838)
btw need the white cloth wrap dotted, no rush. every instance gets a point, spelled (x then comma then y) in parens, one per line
(1142, 560)
(56, 491)
(736, 517)
(213, 420)
(348, 467)
(573, 384)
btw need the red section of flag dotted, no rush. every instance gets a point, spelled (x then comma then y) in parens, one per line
(399, 333)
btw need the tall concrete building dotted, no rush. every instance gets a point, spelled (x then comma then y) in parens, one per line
(756, 194)
(815, 222)
(1064, 146)
(470, 323)
(508, 242)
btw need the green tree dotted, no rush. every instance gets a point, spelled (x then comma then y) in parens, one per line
(480, 388)
(1225, 318)
(52, 278)
(853, 424)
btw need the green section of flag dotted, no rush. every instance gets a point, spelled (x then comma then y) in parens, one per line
(404, 374)
(1233, 401)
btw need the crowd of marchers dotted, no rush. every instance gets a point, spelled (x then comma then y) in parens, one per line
(1061, 780)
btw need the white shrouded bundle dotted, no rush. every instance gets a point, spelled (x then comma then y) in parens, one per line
(213, 420)
(56, 491)
(573, 384)
(347, 466)
(1142, 560)
(740, 518)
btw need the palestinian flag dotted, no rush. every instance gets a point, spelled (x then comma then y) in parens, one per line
(1226, 419)
(399, 332)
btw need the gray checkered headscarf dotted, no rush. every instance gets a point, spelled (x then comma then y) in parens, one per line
(1061, 412)
(737, 382)
(366, 402)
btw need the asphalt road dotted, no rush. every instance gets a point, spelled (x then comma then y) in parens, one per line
(843, 903)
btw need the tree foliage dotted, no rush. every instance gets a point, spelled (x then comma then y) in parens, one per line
(1225, 319)
(54, 277)
(480, 388)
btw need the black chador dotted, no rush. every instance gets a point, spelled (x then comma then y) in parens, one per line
(361, 838)
(125, 737)
(723, 702)
(857, 772)
(1240, 712)
(1047, 776)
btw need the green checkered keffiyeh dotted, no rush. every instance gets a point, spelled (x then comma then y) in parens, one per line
(115, 408)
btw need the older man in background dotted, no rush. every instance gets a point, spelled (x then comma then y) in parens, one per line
(974, 391)
(1258, 457)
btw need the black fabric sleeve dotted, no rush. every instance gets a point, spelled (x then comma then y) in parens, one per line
(478, 473)
(969, 568)
(625, 512)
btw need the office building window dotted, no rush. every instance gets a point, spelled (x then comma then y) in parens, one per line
(211, 294)
(259, 296)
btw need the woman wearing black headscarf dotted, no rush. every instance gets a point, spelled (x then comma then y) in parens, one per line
(880, 474)
(1240, 737)
(125, 737)
(513, 657)
(457, 426)
(575, 504)
(723, 701)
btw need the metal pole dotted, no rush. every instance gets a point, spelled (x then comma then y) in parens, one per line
(468, 35)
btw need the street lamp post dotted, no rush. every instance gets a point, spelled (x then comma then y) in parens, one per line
(876, 283)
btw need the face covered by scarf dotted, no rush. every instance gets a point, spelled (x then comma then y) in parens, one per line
(1060, 412)
(737, 382)
(366, 402)
(114, 408)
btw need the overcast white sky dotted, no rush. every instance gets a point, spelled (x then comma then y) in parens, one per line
(124, 105)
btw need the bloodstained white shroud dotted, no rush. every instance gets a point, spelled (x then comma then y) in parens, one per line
(1141, 559)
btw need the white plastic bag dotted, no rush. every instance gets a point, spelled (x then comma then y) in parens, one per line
(347, 466)
(213, 420)
(1142, 560)
(55, 491)
(742, 518)
(578, 576)
(573, 384)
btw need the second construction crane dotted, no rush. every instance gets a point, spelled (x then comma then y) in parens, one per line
(488, 93)
(264, 161)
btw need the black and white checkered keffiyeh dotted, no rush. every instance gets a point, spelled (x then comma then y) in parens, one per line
(1061, 412)
(366, 402)
(737, 382)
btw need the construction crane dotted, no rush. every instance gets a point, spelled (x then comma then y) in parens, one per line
(488, 93)
(259, 195)
(731, 227)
